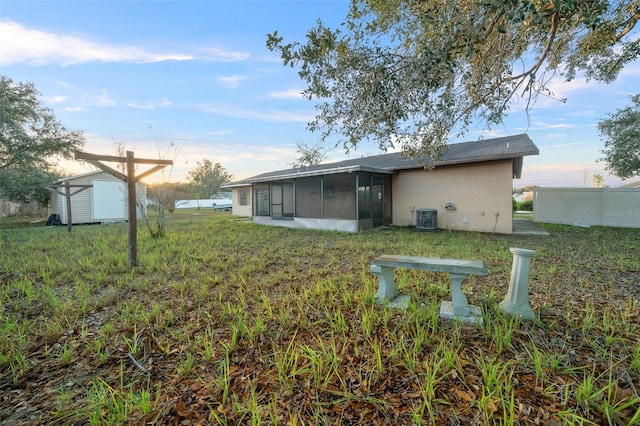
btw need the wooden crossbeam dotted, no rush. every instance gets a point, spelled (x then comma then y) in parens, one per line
(149, 172)
(107, 169)
(53, 188)
(113, 159)
(67, 194)
(130, 178)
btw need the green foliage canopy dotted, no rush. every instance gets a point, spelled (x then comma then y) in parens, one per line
(621, 133)
(311, 154)
(207, 178)
(415, 72)
(30, 139)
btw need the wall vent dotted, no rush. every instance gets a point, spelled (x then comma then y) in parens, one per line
(427, 219)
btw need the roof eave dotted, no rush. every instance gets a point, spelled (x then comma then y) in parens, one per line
(236, 184)
(78, 176)
(321, 172)
(470, 161)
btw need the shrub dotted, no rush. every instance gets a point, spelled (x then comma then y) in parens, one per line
(527, 205)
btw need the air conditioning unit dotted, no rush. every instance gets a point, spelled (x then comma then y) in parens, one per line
(427, 219)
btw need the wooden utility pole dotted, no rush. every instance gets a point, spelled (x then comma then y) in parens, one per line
(131, 179)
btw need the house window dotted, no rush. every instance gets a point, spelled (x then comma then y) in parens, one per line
(243, 197)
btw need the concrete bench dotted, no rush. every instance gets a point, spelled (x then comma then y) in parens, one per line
(458, 269)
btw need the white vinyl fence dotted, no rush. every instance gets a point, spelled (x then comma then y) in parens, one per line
(7, 208)
(588, 206)
(216, 203)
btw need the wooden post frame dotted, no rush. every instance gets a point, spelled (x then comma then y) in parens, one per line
(67, 194)
(130, 179)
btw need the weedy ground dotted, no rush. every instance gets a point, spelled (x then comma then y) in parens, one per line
(228, 322)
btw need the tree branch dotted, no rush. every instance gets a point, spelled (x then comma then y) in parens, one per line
(545, 53)
(633, 20)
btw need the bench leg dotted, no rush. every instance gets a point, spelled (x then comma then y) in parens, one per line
(459, 308)
(387, 289)
(458, 299)
(387, 293)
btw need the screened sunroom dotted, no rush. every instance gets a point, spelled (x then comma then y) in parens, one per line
(346, 200)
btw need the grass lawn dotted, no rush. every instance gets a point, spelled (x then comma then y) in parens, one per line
(228, 322)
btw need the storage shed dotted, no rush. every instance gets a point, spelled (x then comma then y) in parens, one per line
(104, 201)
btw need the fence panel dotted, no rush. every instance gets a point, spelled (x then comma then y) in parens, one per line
(588, 206)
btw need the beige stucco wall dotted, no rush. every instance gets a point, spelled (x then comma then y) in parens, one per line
(480, 192)
(236, 208)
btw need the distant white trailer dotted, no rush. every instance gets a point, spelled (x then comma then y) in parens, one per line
(218, 204)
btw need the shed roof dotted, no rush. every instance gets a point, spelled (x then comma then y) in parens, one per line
(508, 147)
(78, 176)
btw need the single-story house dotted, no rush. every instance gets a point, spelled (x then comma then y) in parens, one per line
(635, 184)
(470, 188)
(103, 200)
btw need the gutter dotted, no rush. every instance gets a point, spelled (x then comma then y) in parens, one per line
(331, 171)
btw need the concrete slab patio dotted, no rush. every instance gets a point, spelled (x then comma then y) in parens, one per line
(522, 226)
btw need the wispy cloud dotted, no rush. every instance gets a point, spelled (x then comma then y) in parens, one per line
(74, 109)
(104, 99)
(222, 55)
(243, 160)
(562, 89)
(20, 44)
(231, 81)
(163, 103)
(287, 94)
(54, 99)
(563, 145)
(220, 132)
(272, 115)
(541, 125)
(79, 99)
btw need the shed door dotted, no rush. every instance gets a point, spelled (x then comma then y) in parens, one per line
(108, 200)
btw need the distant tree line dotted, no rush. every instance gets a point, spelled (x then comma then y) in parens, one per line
(204, 182)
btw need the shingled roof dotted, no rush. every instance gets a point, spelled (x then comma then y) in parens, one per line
(508, 147)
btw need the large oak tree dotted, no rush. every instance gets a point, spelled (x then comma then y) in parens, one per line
(416, 72)
(30, 140)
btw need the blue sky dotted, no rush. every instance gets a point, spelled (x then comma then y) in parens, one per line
(193, 80)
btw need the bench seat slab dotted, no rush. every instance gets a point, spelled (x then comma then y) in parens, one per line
(460, 266)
